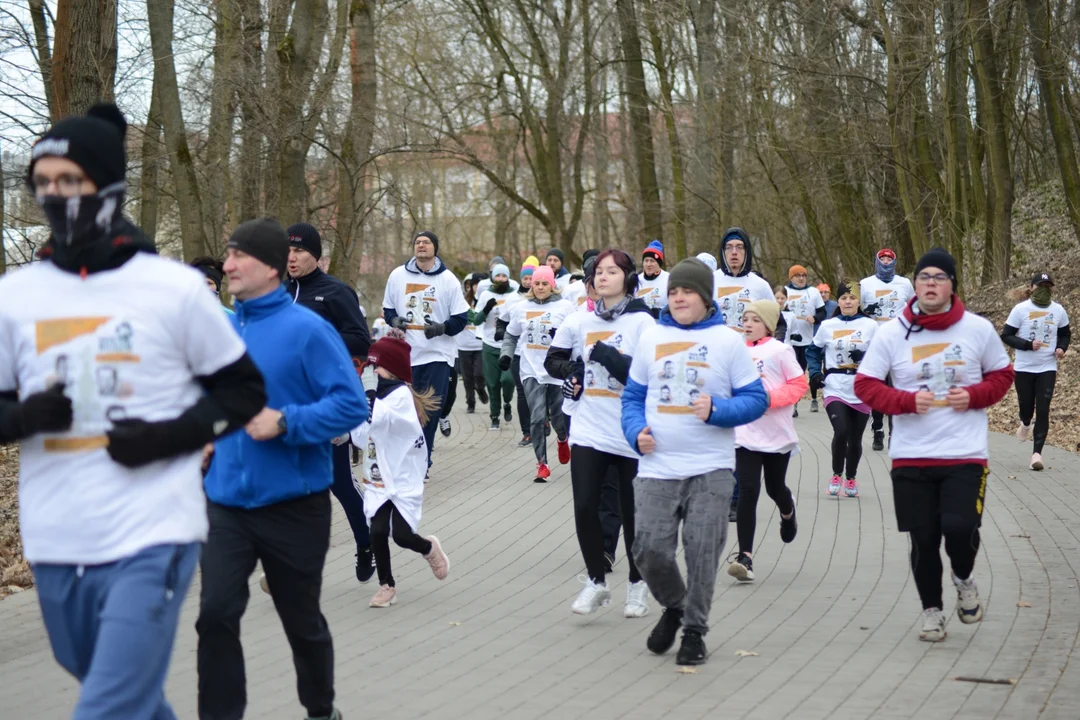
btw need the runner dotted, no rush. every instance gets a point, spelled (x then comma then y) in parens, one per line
(214, 271)
(470, 352)
(839, 346)
(556, 260)
(99, 335)
(485, 281)
(575, 292)
(883, 296)
(1038, 329)
(787, 318)
(766, 445)
(653, 279)
(531, 263)
(708, 260)
(535, 320)
(826, 295)
(809, 310)
(500, 384)
(736, 286)
(692, 381)
(395, 464)
(605, 340)
(939, 447)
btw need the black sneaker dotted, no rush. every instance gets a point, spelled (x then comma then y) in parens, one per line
(789, 527)
(509, 416)
(795, 412)
(470, 409)
(365, 565)
(494, 424)
(609, 562)
(879, 440)
(692, 651)
(663, 634)
(733, 511)
(444, 426)
(742, 569)
(525, 441)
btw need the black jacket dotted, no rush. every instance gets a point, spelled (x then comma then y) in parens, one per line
(335, 302)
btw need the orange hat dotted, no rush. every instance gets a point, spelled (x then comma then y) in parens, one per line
(823, 288)
(796, 270)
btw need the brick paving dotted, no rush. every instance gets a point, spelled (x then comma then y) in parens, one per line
(833, 617)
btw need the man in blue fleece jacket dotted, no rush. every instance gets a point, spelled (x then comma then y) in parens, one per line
(692, 381)
(268, 486)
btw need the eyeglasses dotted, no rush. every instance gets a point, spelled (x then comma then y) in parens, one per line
(926, 278)
(66, 185)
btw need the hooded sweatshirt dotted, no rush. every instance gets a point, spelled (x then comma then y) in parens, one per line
(417, 296)
(735, 292)
(955, 348)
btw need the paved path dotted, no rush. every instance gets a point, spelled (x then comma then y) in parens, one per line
(833, 616)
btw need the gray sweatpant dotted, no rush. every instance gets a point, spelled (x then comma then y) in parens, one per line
(701, 504)
(544, 401)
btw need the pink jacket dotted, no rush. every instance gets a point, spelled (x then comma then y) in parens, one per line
(785, 382)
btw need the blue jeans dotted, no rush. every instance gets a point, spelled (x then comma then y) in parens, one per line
(112, 626)
(434, 375)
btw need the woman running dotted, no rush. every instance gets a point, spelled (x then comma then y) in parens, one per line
(470, 351)
(833, 359)
(1038, 329)
(765, 445)
(395, 463)
(605, 340)
(500, 384)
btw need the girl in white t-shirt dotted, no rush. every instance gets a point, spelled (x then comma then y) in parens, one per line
(605, 340)
(833, 359)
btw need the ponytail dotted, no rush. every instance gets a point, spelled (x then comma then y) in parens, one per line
(425, 403)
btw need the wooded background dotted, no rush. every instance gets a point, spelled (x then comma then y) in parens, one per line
(826, 128)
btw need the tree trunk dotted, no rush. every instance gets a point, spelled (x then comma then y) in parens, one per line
(84, 55)
(219, 135)
(250, 90)
(149, 191)
(43, 52)
(958, 183)
(708, 173)
(3, 220)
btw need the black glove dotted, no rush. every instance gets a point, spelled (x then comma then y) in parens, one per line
(134, 443)
(398, 322)
(571, 391)
(490, 304)
(500, 329)
(795, 337)
(604, 355)
(872, 309)
(48, 411)
(433, 329)
(504, 362)
(817, 381)
(856, 355)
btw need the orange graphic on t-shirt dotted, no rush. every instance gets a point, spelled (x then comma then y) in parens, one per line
(49, 333)
(597, 336)
(530, 314)
(1037, 314)
(725, 291)
(921, 352)
(881, 293)
(411, 288)
(837, 334)
(672, 348)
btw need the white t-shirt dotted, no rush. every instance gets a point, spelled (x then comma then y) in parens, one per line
(891, 297)
(1037, 323)
(837, 338)
(378, 329)
(678, 366)
(598, 414)
(533, 323)
(417, 296)
(653, 292)
(469, 339)
(574, 291)
(128, 342)
(733, 294)
(789, 320)
(803, 303)
(936, 360)
(487, 330)
(562, 282)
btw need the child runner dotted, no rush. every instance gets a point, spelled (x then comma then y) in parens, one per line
(605, 339)
(527, 268)
(833, 359)
(765, 445)
(535, 320)
(470, 352)
(691, 381)
(500, 384)
(786, 319)
(805, 303)
(1038, 329)
(395, 462)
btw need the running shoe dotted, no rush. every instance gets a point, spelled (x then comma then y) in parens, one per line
(1036, 462)
(663, 634)
(834, 485)
(564, 451)
(543, 472)
(969, 607)
(592, 597)
(742, 569)
(789, 527)
(879, 440)
(851, 488)
(470, 409)
(481, 392)
(264, 585)
(933, 625)
(813, 406)
(365, 565)
(692, 651)
(637, 600)
(509, 416)
(437, 559)
(1023, 433)
(444, 426)
(525, 441)
(335, 715)
(384, 598)
(494, 424)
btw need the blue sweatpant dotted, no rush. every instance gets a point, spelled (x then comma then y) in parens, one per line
(352, 502)
(112, 626)
(432, 375)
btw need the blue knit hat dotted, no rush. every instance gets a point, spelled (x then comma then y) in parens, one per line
(656, 249)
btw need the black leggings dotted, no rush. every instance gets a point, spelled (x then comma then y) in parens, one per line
(800, 355)
(451, 393)
(1034, 391)
(588, 468)
(387, 518)
(926, 567)
(848, 426)
(749, 465)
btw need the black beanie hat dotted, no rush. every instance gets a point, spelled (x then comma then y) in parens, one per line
(430, 236)
(692, 274)
(211, 268)
(305, 236)
(265, 240)
(557, 253)
(590, 253)
(939, 258)
(94, 142)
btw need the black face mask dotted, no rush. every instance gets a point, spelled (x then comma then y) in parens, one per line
(81, 219)
(385, 386)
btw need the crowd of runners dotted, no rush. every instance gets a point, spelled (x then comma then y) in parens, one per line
(149, 448)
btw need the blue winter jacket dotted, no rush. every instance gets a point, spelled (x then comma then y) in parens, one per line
(310, 378)
(746, 404)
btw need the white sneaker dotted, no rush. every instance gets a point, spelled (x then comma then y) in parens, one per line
(592, 597)
(637, 599)
(968, 606)
(933, 625)
(1036, 462)
(1023, 433)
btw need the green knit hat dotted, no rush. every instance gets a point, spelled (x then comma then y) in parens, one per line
(692, 274)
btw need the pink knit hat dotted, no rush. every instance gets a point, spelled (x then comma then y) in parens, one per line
(544, 273)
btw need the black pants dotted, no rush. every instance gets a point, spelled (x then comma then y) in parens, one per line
(352, 502)
(386, 521)
(291, 539)
(609, 505)
(588, 469)
(522, 401)
(878, 418)
(471, 367)
(800, 355)
(749, 466)
(934, 503)
(451, 393)
(848, 427)
(1034, 391)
